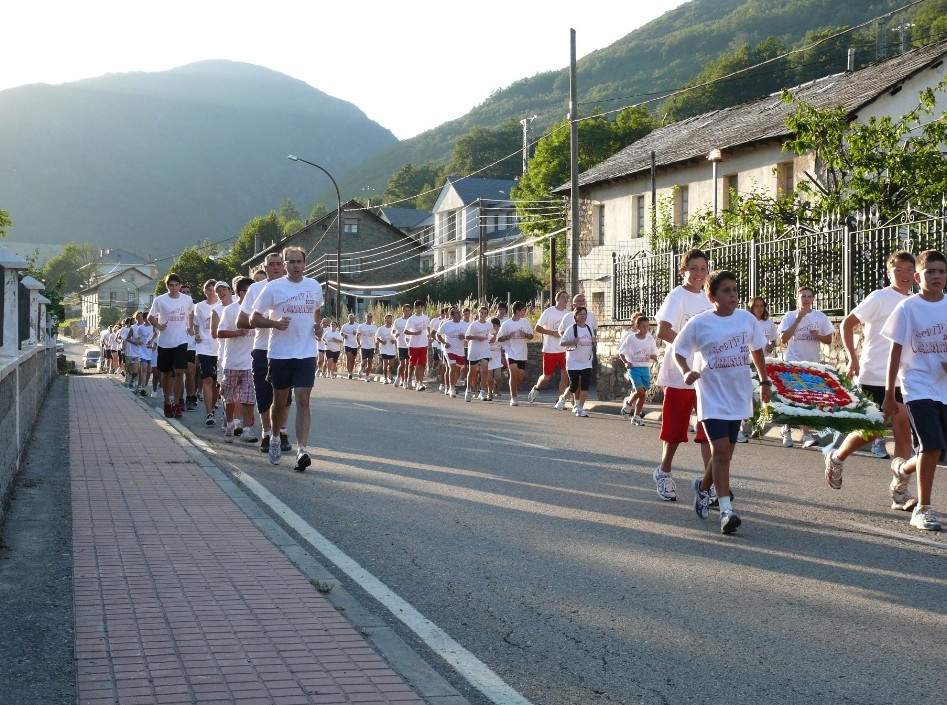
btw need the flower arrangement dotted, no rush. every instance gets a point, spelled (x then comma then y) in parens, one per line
(815, 395)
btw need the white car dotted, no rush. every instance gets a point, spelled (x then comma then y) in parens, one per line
(90, 359)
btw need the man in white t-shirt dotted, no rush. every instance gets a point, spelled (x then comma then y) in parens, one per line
(803, 332)
(387, 342)
(235, 361)
(554, 357)
(365, 336)
(478, 336)
(416, 331)
(513, 334)
(273, 268)
(451, 335)
(350, 344)
(403, 365)
(291, 307)
(170, 313)
(207, 347)
(870, 368)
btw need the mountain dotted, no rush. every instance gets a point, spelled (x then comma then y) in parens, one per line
(156, 162)
(649, 62)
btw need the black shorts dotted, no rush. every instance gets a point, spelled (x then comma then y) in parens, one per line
(403, 354)
(170, 359)
(367, 353)
(208, 366)
(108, 354)
(261, 385)
(386, 356)
(716, 429)
(333, 355)
(436, 352)
(929, 421)
(351, 351)
(191, 356)
(580, 379)
(877, 393)
(519, 363)
(292, 372)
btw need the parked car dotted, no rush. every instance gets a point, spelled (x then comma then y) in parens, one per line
(60, 347)
(90, 359)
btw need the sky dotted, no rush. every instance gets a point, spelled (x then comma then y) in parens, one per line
(410, 66)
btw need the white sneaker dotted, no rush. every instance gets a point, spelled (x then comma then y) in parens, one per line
(741, 437)
(452, 393)
(925, 519)
(440, 387)
(808, 440)
(480, 396)
(637, 420)
(625, 411)
(513, 402)
(665, 485)
(878, 449)
(467, 395)
(531, 397)
(787, 436)
(833, 471)
(581, 412)
(560, 404)
(420, 387)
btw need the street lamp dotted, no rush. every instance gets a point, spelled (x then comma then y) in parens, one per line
(338, 250)
(714, 157)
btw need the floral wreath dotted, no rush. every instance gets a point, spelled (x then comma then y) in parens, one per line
(815, 395)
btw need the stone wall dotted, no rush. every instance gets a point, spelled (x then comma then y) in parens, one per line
(24, 381)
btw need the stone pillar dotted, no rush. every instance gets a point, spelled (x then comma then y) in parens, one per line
(35, 287)
(12, 264)
(44, 335)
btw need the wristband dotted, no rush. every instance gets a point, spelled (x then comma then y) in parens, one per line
(766, 382)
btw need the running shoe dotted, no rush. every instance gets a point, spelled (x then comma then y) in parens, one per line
(467, 395)
(701, 499)
(489, 397)
(452, 393)
(729, 521)
(808, 440)
(421, 387)
(787, 436)
(741, 437)
(901, 499)
(168, 411)
(580, 412)
(178, 414)
(440, 387)
(833, 472)
(531, 397)
(665, 485)
(925, 519)
(210, 421)
(637, 420)
(248, 436)
(302, 462)
(275, 453)
(878, 449)
(284, 445)
(560, 404)
(625, 411)
(513, 402)
(228, 434)
(265, 445)
(237, 430)
(480, 396)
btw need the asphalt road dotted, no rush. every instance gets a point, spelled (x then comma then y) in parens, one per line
(537, 541)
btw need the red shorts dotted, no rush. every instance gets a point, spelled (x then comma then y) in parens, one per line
(417, 357)
(553, 361)
(676, 412)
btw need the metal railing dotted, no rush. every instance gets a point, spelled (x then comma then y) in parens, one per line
(843, 261)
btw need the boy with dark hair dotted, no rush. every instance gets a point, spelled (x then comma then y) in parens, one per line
(917, 363)
(170, 314)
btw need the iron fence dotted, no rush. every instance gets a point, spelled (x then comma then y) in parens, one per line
(843, 261)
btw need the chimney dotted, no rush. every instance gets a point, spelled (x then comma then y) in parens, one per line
(851, 60)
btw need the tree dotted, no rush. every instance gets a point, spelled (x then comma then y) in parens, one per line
(256, 235)
(195, 267)
(318, 211)
(292, 226)
(288, 211)
(519, 282)
(409, 181)
(489, 153)
(71, 270)
(5, 223)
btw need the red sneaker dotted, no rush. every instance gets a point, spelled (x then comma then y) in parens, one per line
(168, 411)
(177, 411)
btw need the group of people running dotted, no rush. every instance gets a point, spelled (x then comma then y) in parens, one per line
(255, 343)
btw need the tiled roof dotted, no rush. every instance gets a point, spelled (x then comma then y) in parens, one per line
(406, 218)
(471, 188)
(759, 120)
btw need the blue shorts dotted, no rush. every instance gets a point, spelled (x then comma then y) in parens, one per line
(721, 428)
(292, 372)
(639, 376)
(929, 421)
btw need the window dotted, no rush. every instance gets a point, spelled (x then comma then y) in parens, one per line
(731, 184)
(681, 206)
(601, 224)
(350, 226)
(785, 181)
(111, 298)
(639, 216)
(131, 296)
(352, 267)
(452, 225)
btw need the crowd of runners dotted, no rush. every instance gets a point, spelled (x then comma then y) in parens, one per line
(253, 345)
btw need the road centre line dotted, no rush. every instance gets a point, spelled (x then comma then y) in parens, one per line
(368, 406)
(513, 440)
(896, 535)
(477, 673)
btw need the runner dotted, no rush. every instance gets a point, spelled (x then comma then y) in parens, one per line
(478, 355)
(495, 363)
(514, 333)
(291, 308)
(451, 335)
(416, 331)
(190, 376)
(554, 357)
(207, 346)
(365, 335)
(235, 362)
(273, 269)
(333, 340)
(870, 370)
(146, 333)
(579, 343)
(403, 364)
(387, 341)
(350, 336)
(169, 315)
(637, 350)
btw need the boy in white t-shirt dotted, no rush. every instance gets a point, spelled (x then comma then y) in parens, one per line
(365, 335)
(478, 337)
(451, 335)
(870, 368)
(637, 350)
(721, 343)
(416, 331)
(918, 362)
(514, 332)
(387, 341)
(403, 365)
(803, 331)
(679, 306)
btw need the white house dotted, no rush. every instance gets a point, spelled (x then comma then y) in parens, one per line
(470, 209)
(618, 195)
(129, 289)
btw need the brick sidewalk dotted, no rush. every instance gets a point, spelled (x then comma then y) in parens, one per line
(178, 597)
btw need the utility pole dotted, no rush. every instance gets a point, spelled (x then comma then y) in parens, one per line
(482, 261)
(575, 230)
(525, 122)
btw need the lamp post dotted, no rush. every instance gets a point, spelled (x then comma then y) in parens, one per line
(714, 157)
(338, 247)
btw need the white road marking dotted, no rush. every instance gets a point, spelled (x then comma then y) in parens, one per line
(513, 440)
(367, 406)
(897, 535)
(477, 673)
